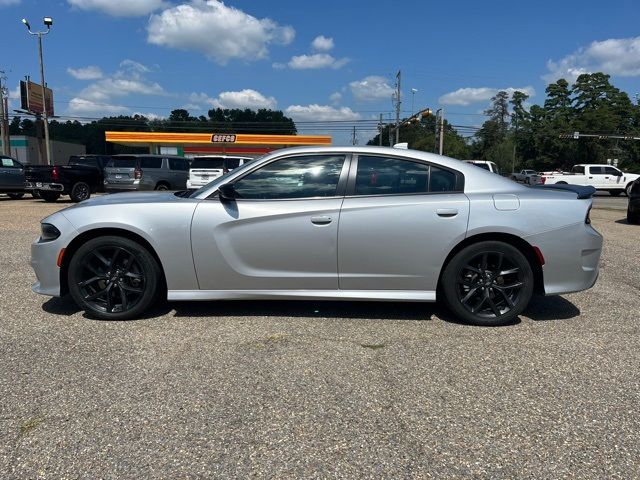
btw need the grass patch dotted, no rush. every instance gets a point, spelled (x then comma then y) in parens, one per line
(30, 424)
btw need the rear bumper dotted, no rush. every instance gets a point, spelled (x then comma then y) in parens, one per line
(53, 187)
(572, 258)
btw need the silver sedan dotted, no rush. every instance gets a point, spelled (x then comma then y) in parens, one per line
(356, 223)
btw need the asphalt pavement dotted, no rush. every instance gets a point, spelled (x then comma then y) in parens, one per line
(319, 390)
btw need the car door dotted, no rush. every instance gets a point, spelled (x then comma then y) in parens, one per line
(596, 177)
(282, 231)
(399, 220)
(613, 177)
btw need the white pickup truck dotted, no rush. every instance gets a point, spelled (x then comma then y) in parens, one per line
(601, 177)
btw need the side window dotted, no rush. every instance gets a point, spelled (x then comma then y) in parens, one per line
(596, 170)
(177, 164)
(442, 180)
(293, 177)
(150, 162)
(578, 170)
(8, 163)
(389, 176)
(611, 171)
(231, 163)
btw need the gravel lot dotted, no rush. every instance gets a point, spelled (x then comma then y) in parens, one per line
(316, 390)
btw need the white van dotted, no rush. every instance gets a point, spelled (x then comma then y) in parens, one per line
(207, 168)
(492, 167)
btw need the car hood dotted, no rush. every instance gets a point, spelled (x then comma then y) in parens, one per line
(129, 198)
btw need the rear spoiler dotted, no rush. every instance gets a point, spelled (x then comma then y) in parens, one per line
(582, 191)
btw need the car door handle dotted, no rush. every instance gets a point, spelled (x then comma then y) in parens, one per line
(590, 178)
(321, 220)
(447, 212)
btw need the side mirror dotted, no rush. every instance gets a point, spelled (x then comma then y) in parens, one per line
(227, 191)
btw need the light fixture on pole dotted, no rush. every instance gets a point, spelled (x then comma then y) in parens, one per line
(413, 96)
(48, 22)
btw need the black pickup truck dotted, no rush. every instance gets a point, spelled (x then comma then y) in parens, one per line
(47, 182)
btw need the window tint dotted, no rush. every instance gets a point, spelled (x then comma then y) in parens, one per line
(389, 176)
(578, 170)
(150, 162)
(596, 170)
(442, 180)
(295, 177)
(122, 162)
(207, 163)
(231, 163)
(177, 164)
(610, 171)
(90, 162)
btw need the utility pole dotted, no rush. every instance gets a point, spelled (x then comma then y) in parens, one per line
(48, 22)
(398, 103)
(4, 117)
(354, 139)
(441, 148)
(380, 130)
(413, 97)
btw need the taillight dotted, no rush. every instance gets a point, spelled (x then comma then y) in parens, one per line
(543, 180)
(137, 174)
(55, 176)
(587, 219)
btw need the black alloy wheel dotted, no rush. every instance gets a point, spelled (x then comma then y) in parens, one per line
(162, 186)
(113, 278)
(488, 283)
(80, 192)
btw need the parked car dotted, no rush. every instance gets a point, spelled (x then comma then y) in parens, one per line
(49, 182)
(491, 166)
(207, 168)
(601, 177)
(145, 172)
(348, 223)
(633, 208)
(11, 177)
(523, 176)
(98, 162)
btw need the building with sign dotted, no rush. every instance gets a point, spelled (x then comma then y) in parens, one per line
(197, 144)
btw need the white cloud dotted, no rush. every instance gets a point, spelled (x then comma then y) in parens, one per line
(467, 96)
(222, 33)
(246, 98)
(371, 88)
(322, 43)
(315, 61)
(98, 97)
(335, 98)
(320, 112)
(5, 3)
(149, 115)
(87, 73)
(120, 8)
(615, 56)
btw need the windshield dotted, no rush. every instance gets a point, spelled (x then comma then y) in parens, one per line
(221, 179)
(207, 163)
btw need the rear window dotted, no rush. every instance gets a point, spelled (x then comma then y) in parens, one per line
(178, 164)
(91, 162)
(150, 162)
(232, 163)
(482, 165)
(208, 163)
(578, 170)
(123, 162)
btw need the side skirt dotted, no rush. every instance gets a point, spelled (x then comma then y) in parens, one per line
(369, 295)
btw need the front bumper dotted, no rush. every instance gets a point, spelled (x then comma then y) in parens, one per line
(572, 258)
(44, 256)
(53, 187)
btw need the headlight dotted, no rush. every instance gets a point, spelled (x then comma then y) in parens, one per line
(49, 232)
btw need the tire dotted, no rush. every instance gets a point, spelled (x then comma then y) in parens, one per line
(615, 193)
(109, 291)
(474, 290)
(15, 196)
(162, 186)
(561, 183)
(633, 218)
(49, 196)
(627, 189)
(79, 192)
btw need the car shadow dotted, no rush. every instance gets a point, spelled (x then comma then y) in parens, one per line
(623, 221)
(544, 309)
(540, 309)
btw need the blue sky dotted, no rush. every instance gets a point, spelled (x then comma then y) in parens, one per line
(329, 60)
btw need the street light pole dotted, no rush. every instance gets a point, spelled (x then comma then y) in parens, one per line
(48, 21)
(413, 96)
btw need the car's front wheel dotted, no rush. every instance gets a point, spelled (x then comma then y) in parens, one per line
(488, 283)
(113, 278)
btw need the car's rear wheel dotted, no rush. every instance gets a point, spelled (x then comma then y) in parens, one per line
(49, 196)
(79, 192)
(15, 196)
(113, 278)
(162, 186)
(488, 283)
